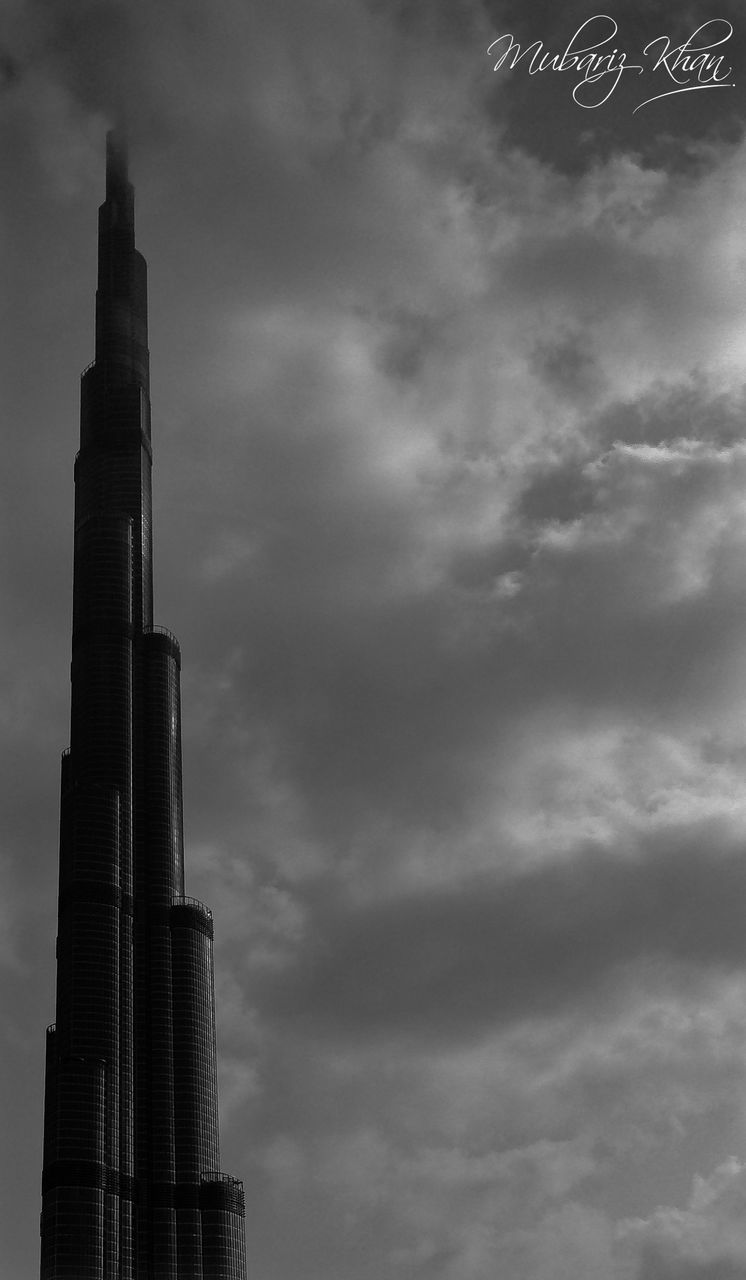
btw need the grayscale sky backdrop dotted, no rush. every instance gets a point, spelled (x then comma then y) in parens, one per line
(450, 503)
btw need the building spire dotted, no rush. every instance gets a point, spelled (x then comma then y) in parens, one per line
(117, 159)
(120, 196)
(121, 299)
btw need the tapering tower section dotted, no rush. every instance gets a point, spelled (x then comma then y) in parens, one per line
(130, 1188)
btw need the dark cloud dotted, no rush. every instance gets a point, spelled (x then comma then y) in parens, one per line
(408, 340)
(560, 493)
(383, 704)
(111, 57)
(568, 367)
(10, 69)
(704, 1240)
(653, 1267)
(539, 945)
(696, 410)
(452, 20)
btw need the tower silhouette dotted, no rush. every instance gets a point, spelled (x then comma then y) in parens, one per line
(130, 1185)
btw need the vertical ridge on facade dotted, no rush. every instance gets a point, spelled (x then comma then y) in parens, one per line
(131, 1188)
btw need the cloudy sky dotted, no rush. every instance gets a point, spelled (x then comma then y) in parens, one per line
(450, 502)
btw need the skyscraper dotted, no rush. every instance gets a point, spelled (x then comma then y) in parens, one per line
(130, 1188)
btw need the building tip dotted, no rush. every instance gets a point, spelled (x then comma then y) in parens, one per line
(116, 160)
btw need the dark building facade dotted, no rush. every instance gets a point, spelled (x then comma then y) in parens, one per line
(130, 1186)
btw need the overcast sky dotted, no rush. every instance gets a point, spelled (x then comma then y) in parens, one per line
(450, 505)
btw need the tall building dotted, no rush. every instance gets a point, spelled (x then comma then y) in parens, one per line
(130, 1188)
